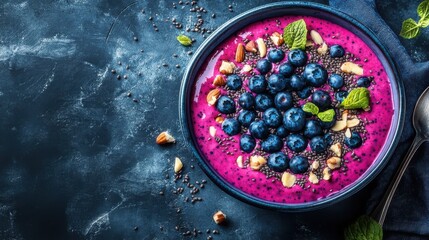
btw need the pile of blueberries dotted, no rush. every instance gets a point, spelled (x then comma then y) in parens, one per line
(273, 98)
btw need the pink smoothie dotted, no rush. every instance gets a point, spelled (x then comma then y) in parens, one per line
(255, 183)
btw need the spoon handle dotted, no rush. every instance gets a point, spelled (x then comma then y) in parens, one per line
(379, 213)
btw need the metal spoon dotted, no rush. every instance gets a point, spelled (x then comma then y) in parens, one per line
(421, 126)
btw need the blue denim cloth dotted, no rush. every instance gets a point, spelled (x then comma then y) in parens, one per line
(408, 215)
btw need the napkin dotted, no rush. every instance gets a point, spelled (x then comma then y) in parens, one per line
(408, 215)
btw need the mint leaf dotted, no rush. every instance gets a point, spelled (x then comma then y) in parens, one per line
(423, 10)
(326, 116)
(357, 98)
(410, 29)
(365, 228)
(310, 108)
(184, 40)
(424, 22)
(295, 34)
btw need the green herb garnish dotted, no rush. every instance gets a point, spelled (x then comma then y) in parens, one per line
(295, 34)
(326, 116)
(184, 40)
(310, 108)
(410, 28)
(358, 98)
(365, 228)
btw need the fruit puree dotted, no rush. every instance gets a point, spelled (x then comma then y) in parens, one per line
(222, 157)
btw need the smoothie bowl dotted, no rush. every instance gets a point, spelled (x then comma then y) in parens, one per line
(291, 106)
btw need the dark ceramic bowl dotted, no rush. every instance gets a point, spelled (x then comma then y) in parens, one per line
(282, 9)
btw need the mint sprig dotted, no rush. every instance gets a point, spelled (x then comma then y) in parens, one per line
(410, 28)
(365, 228)
(326, 116)
(295, 34)
(358, 98)
(310, 108)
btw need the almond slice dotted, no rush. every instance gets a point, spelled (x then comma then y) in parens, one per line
(313, 178)
(178, 165)
(334, 162)
(239, 53)
(256, 162)
(251, 47)
(353, 122)
(219, 81)
(212, 131)
(342, 124)
(336, 148)
(227, 67)
(261, 47)
(322, 50)
(349, 67)
(277, 38)
(348, 133)
(164, 138)
(219, 119)
(288, 180)
(326, 174)
(212, 96)
(240, 162)
(317, 39)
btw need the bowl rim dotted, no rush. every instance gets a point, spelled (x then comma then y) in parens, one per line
(351, 189)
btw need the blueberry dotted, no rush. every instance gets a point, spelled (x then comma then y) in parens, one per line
(296, 142)
(341, 95)
(294, 119)
(277, 82)
(321, 99)
(363, 82)
(354, 141)
(263, 102)
(335, 81)
(225, 105)
(318, 144)
(246, 100)
(312, 128)
(282, 132)
(257, 84)
(283, 100)
(297, 57)
(315, 74)
(234, 82)
(264, 66)
(304, 93)
(272, 117)
(297, 82)
(336, 51)
(286, 69)
(276, 55)
(259, 129)
(299, 164)
(278, 162)
(273, 143)
(247, 143)
(231, 126)
(246, 117)
(328, 139)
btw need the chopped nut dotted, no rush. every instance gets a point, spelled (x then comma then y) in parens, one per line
(277, 39)
(212, 131)
(322, 50)
(219, 81)
(219, 119)
(317, 39)
(348, 133)
(353, 122)
(288, 179)
(164, 138)
(212, 96)
(326, 174)
(334, 162)
(256, 162)
(246, 68)
(178, 165)
(349, 67)
(336, 148)
(313, 178)
(261, 47)
(309, 43)
(240, 162)
(219, 217)
(239, 53)
(227, 67)
(315, 165)
(251, 47)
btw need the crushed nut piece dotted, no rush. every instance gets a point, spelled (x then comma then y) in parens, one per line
(219, 217)
(178, 165)
(164, 138)
(349, 67)
(334, 162)
(336, 148)
(313, 178)
(212, 131)
(326, 174)
(227, 67)
(256, 162)
(288, 179)
(212, 96)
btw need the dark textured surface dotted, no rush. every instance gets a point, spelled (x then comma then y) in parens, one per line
(77, 156)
